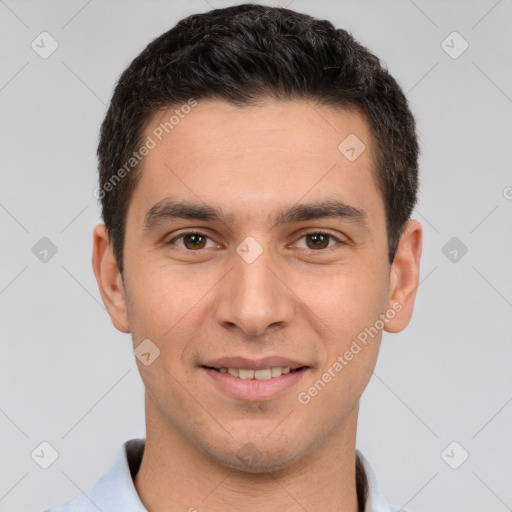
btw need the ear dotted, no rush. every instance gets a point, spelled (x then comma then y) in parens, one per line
(109, 279)
(404, 276)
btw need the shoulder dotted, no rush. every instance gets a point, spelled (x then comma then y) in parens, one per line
(78, 504)
(114, 491)
(375, 500)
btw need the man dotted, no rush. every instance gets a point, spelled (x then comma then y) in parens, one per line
(258, 170)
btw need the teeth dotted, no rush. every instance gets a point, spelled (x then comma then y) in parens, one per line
(264, 374)
(277, 371)
(233, 372)
(245, 374)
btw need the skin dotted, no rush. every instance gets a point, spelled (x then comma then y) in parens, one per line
(295, 300)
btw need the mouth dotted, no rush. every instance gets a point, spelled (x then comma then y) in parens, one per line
(254, 381)
(259, 374)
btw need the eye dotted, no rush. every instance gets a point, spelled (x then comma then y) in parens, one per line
(319, 240)
(192, 240)
(197, 241)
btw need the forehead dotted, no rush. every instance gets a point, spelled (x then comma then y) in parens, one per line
(248, 158)
(237, 130)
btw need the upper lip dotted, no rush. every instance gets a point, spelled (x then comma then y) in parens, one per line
(253, 364)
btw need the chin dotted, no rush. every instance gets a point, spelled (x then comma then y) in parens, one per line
(254, 457)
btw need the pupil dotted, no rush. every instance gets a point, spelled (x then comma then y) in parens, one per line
(194, 239)
(319, 237)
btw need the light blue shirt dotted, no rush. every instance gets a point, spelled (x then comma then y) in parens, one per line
(115, 492)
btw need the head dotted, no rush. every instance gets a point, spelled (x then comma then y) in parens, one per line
(258, 170)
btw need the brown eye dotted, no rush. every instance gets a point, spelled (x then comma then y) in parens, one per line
(320, 242)
(192, 241)
(317, 240)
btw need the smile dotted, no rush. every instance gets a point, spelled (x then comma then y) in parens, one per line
(262, 374)
(255, 385)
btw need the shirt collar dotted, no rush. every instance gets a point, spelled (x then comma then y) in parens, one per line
(115, 491)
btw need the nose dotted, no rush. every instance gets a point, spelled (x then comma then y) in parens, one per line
(254, 297)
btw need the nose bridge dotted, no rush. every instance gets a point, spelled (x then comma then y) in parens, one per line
(253, 298)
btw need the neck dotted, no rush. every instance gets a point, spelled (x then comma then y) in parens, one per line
(175, 476)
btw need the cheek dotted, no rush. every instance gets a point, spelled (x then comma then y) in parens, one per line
(351, 306)
(351, 311)
(169, 306)
(348, 299)
(159, 300)
(160, 308)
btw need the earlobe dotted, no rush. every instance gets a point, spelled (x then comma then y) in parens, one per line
(109, 279)
(404, 278)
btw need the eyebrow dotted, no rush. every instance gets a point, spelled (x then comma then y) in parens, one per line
(167, 209)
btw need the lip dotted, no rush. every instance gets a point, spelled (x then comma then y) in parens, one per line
(252, 389)
(254, 364)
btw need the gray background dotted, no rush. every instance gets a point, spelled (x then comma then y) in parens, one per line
(69, 378)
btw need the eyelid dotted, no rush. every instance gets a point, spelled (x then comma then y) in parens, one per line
(317, 231)
(300, 235)
(188, 232)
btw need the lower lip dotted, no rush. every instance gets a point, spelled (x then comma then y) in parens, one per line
(253, 389)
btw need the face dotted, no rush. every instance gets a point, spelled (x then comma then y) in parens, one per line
(255, 246)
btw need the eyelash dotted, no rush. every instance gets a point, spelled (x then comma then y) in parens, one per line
(181, 235)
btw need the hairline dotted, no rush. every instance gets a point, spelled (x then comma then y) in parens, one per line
(257, 101)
